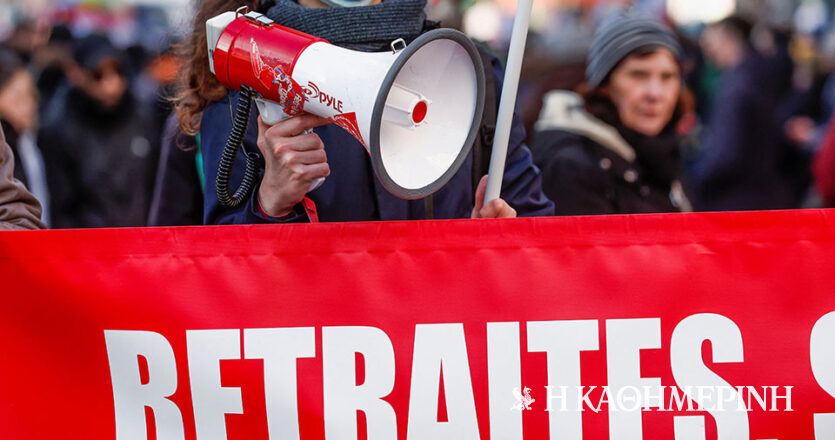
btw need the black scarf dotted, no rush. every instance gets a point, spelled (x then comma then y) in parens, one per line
(366, 28)
(658, 156)
(92, 112)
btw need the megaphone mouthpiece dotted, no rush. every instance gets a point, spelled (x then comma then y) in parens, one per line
(409, 108)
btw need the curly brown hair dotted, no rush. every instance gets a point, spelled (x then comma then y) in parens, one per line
(196, 85)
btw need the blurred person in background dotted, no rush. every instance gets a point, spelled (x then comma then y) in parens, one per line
(824, 168)
(99, 143)
(49, 63)
(743, 162)
(615, 149)
(178, 192)
(18, 117)
(28, 37)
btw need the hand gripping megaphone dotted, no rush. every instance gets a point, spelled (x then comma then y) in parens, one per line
(416, 109)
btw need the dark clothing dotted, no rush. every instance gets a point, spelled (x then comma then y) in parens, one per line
(12, 138)
(368, 28)
(178, 196)
(824, 167)
(583, 177)
(352, 191)
(591, 168)
(18, 208)
(743, 162)
(100, 162)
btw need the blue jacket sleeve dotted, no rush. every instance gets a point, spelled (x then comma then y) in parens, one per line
(215, 130)
(522, 182)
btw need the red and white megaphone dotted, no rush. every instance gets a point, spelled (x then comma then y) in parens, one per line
(416, 108)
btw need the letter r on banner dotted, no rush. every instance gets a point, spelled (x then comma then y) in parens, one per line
(344, 396)
(131, 396)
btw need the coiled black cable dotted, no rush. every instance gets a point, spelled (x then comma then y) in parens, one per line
(230, 151)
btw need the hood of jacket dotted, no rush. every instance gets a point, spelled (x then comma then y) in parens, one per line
(564, 110)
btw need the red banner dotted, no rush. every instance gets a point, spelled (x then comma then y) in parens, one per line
(709, 326)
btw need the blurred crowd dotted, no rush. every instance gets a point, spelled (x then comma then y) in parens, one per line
(84, 99)
(761, 83)
(82, 103)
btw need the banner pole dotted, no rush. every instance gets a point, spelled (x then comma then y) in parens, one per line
(504, 120)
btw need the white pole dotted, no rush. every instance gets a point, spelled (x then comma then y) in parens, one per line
(504, 119)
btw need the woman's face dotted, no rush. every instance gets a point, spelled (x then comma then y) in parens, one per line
(18, 101)
(106, 83)
(645, 91)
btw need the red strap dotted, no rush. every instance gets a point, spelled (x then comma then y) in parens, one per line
(310, 208)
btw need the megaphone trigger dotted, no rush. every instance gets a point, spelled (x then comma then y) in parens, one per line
(316, 184)
(270, 112)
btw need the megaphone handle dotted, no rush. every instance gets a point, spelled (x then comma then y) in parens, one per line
(272, 113)
(316, 184)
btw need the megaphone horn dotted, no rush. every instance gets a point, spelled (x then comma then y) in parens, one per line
(416, 109)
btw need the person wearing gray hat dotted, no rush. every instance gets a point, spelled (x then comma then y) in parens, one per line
(614, 148)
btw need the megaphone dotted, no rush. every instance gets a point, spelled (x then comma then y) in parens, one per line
(416, 109)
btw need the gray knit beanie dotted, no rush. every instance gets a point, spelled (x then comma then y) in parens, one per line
(620, 36)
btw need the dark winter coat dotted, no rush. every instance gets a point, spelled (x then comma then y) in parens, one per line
(352, 191)
(178, 195)
(745, 163)
(589, 168)
(100, 163)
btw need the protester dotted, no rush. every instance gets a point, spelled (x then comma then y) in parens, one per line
(614, 150)
(351, 191)
(178, 194)
(18, 208)
(49, 63)
(28, 37)
(742, 164)
(18, 117)
(763, 103)
(99, 144)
